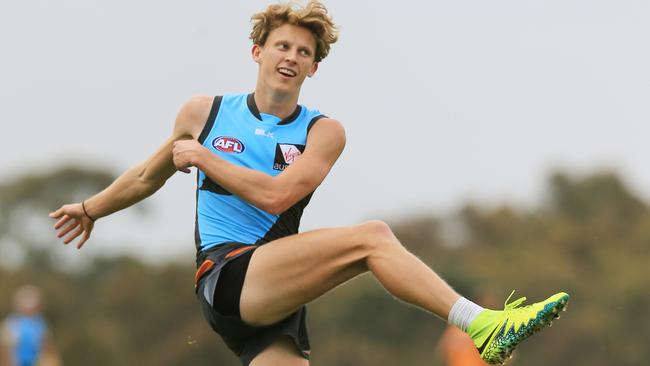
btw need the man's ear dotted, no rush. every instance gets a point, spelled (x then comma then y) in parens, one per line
(255, 52)
(314, 68)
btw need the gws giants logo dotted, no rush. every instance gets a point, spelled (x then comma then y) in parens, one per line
(228, 144)
(285, 154)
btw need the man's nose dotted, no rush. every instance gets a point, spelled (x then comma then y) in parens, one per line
(291, 56)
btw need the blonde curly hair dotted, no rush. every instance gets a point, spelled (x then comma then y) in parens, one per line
(312, 16)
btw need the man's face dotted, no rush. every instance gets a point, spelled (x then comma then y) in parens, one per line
(286, 58)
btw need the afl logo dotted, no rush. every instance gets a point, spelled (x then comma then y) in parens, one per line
(228, 144)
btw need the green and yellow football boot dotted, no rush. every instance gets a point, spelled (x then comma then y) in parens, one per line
(497, 333)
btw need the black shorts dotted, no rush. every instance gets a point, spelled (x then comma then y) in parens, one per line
(219, 283)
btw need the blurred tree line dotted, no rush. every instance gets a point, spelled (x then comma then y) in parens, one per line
(590, 236)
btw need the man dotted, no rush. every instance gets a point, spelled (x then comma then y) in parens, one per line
(24, 337)
(259, 159)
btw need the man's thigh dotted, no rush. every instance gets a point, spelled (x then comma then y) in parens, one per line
(282, 352)
(290, 272)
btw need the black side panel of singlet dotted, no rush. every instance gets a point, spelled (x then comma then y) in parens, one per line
(212, 117)
(288, 222)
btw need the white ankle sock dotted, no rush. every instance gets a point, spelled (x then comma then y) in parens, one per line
(462, 313)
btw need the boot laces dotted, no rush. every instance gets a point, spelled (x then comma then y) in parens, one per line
(514, 306)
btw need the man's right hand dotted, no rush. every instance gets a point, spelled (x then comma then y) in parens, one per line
(72, 222)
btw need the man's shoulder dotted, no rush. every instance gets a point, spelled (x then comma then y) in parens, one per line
(198, 103)
(193, 115)
(328, 131)
(326, 122)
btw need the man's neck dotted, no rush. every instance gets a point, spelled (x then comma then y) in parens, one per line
(279, 105)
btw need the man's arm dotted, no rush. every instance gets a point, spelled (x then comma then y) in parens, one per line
(50, 354)
(274, 195)
(6, 345)
(135, 184)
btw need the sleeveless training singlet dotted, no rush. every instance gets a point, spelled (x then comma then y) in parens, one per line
(237, 132)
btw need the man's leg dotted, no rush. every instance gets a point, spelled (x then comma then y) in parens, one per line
(282, 352)
(290, 272)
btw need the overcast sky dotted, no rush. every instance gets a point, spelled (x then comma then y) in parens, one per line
(443, 101)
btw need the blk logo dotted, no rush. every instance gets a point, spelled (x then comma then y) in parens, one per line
(228, 144)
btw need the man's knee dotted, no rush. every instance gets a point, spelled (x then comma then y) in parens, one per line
(377, 235)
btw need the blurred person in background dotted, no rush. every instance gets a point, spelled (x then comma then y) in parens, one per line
(25, 339)
(456, 347)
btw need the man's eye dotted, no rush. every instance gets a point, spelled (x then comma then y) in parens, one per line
(283, 46)
(304, 52)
